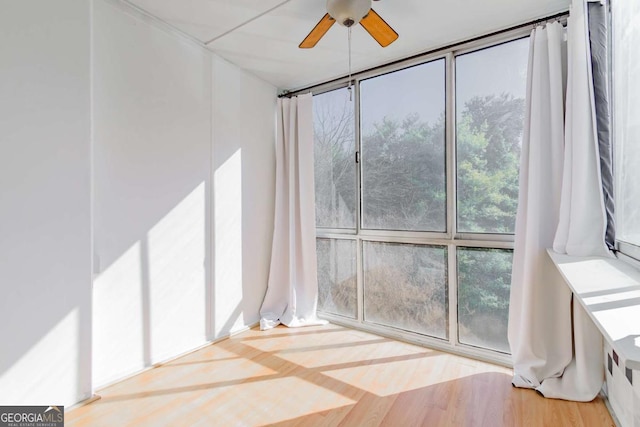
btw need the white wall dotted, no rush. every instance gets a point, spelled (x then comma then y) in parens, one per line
(244, 177)
(152, 163)
(182, 197)
(45, 228)
(183, 166)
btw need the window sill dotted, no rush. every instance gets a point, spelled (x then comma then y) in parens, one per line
(609, 291)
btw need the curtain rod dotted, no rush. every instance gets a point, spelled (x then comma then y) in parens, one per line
(558, 17)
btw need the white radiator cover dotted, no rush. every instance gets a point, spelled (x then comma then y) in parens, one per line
(623, 395)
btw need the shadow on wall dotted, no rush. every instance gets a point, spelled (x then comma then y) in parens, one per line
(152, 191)
(243, 228)
(45, 224)
(228, 243)
(60, 326)
(151, 302)
(156, 299)
(161, 207)
(174, 193)
(243, 111)
(196, 272)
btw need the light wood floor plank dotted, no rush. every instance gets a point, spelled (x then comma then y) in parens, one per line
(327, 376)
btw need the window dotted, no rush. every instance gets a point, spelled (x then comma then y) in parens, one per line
(416, 238)
(337, 276)
(490, 91)
(626, 123)
(334, 152)
(406, 287)
(403, 144)
(484, 281)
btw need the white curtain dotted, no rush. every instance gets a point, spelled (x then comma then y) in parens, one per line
(556, 348)
(292, 291)
(539, 311)
(583, 220)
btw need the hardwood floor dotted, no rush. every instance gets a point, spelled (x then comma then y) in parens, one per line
(327, 376)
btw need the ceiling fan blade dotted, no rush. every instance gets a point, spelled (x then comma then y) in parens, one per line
(318, 31)
(379, 29)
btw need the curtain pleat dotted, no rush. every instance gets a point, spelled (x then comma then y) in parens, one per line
(599, 47)
(556, 348)
(540, 303)
(292, 291)
(583, 223)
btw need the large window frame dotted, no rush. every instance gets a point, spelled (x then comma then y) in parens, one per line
(451, 238)
(627, 251)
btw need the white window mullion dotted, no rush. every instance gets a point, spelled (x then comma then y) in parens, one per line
(453, 294)
(450, 121)
(359, 264)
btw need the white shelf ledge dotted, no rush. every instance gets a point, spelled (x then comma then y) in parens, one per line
(609, 290)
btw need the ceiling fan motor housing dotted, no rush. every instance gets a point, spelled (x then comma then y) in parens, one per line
(348, 12)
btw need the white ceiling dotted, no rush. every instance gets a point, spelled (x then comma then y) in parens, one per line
(262, 36)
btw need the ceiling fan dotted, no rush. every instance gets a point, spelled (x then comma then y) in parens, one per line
(348, 13)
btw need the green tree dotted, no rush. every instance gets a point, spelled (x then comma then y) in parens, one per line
(489, 133)
(403, 175)
(404, 188)
(484, 283)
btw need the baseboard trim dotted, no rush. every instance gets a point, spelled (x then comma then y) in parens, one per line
(241, 330)
(605, 399)
(172, 358)
(84, 402)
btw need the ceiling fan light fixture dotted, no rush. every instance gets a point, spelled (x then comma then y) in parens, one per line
(348, 12)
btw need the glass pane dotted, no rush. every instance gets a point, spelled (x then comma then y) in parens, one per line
(337, 276)
(626, 118)
(403, 149)
(490, 91)
(334, 152)
(405, 286)
(484, 281)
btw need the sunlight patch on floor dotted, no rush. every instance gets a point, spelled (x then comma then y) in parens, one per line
(298, 396)
(396, 377)
(215, 374)
(305, 338)
(373, 351)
